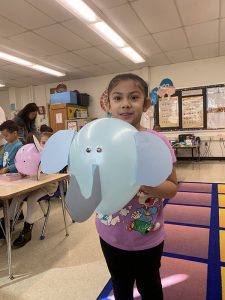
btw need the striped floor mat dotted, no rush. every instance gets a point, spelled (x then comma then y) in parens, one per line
(193, 262)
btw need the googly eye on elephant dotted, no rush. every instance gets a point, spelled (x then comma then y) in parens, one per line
(108, 160)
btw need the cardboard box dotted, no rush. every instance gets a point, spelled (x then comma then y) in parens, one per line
(65, 97)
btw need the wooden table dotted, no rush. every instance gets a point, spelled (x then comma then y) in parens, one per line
(197, 147)
(11, 189)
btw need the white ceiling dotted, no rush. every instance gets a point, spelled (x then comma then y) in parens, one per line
(164, 31)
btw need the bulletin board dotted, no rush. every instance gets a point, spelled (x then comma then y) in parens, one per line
(186, 109)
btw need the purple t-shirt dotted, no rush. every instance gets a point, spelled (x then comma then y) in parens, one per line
(137, 226)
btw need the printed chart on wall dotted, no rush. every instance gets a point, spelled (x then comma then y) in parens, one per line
(215, 107)
(192, 112)
(168, 112)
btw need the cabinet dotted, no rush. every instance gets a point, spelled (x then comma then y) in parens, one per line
(61, 114)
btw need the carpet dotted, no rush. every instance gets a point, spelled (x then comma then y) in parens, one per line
(193, 262)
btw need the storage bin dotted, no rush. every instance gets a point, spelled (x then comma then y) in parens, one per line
(65, 97)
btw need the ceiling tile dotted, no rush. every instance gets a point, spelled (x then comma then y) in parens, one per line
(94, 70)
(180, 55)
(71, 59)
(8, 28)
(157, 15)
(113, 67)
(35, 45)
(3, 62)
(193, 11)
(205, 51)
(94, 55)
(222, 30)
(111, 51)
(171, 40)
(222, 48)
(4, 75)
(20, 70)
(53, 9)
(80, 29)
(62, 36)
(126, 20)
(158, 59)
(28, 16)
(108, 3)
(204, 33)
(222, 8)
(147, 45)
(53, 62)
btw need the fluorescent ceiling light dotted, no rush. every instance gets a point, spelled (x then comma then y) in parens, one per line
(109, 34)
(2, 84)
(47, 70)
(94, 22)
(79, 8)
(26, 63)
(132, 55)
(15, 59)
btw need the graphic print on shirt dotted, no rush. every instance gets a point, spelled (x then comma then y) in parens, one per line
(109, 220)
(141, 219)
(144, 217)
(5, 159)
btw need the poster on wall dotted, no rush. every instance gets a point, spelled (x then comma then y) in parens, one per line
(215, 107)
(192, 112)
(71, 125)
(168, 112)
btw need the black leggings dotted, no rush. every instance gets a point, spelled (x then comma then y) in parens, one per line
(127, 266)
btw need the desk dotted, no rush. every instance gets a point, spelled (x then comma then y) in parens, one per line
(11, 189)
(197, 147)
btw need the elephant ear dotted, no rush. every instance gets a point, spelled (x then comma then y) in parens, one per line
(56, 151)
(81, 208)
(154, 160)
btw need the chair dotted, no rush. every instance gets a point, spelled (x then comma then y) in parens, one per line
(47, 199)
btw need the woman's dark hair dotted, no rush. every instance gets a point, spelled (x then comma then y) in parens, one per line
(129, 76)
(30, 107)
(45, 128)
(9, 125)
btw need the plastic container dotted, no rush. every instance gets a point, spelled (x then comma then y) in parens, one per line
(65, 97)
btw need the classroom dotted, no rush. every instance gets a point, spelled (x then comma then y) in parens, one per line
(71, 73)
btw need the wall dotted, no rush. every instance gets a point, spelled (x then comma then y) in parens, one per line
(191, 74)
(93, 86)
(187, 74)
(4, 102)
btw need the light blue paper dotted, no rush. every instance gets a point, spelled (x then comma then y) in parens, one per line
(154, 160)
(56, 151)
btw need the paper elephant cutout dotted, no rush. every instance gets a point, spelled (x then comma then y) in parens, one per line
(108, 160)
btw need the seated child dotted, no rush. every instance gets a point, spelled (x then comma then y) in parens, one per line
(9, 131)
(32, 205)
(45, 128)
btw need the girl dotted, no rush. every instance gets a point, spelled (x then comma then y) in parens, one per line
(133, 246)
